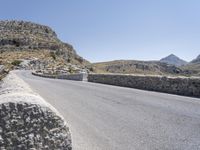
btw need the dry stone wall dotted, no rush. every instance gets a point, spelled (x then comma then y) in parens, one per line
(174, 85)
(76, 77)
(27, 121)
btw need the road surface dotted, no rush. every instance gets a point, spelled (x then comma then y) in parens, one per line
(105, 117)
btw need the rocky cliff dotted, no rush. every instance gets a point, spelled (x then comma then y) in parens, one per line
(34, 41)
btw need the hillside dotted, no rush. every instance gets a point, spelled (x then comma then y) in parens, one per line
(137, 67)
(197, 60)
(193, 66)
(173, 60)
(37, 44)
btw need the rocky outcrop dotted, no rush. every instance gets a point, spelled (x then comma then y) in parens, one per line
(27, 121)
(28, 36)
(174, 85)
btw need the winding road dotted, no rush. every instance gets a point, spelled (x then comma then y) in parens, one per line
(105, 117)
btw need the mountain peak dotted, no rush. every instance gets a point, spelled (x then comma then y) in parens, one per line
(173, 60)
(172, 55)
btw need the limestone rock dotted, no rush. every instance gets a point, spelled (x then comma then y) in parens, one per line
(28, 36)
(29, 126)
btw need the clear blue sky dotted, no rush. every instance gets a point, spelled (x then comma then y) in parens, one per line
(102, 30)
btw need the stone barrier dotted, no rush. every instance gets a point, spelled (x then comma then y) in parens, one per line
(27, 121)
(76, 77)
(174, 85)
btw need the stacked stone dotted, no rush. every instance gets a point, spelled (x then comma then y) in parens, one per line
(174, 85)
(27, 126)
(28, 122)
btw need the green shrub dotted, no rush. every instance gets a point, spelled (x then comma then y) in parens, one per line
(53, 55)
(92, 69)
(16, 62)
(69, 60)
(71, 70)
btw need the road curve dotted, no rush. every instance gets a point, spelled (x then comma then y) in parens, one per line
(105, 117)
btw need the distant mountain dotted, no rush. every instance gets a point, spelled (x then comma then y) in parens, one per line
(197, 60)
(173, 60)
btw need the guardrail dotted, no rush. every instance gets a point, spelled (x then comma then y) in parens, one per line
(174, 85)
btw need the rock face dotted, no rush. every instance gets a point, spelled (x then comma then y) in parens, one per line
(28, 36)
(178, 85)
(27, 121)
(20, 33)
(173, 60)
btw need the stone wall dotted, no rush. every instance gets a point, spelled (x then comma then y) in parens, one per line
(174, 85)
(27, 121)
(76, 77)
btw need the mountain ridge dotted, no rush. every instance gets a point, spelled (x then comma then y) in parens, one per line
(136, 67)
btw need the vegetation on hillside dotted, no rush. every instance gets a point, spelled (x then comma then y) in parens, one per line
(140, 67)
(16, 62)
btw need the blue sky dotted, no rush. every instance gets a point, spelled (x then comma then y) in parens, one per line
(102, 30)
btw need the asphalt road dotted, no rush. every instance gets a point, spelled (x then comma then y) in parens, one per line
(105, 117)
